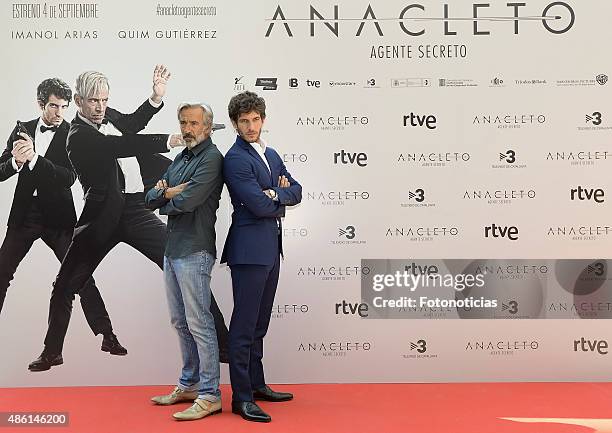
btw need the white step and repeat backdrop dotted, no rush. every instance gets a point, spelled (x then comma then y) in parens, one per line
(420, 131)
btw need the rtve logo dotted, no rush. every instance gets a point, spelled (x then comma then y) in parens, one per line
(417, 120)
(582, 194)
(344, 157)
(420, 346)
(496, 231)
(584, 345)
(349, 308)
(423, 269)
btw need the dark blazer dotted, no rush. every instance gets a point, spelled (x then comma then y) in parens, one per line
(94, 157)
(254, 237)
(51, 177)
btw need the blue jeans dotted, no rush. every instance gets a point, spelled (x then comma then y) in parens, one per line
(188, 290)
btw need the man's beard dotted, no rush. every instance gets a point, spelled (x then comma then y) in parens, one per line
(190, 141)
(251, 140)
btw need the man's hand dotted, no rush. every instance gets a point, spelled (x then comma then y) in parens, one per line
(175, 190)
(283, 182)
(161, 184)
(23, 149)
(161, 75)
(176, 140)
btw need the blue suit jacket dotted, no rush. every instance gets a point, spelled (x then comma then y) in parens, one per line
(254, 237)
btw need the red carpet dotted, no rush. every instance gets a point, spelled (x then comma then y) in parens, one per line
(439, 408)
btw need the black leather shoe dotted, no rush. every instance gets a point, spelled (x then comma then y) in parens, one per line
(111, 344)
(45, 361)
(250, 411)
(267, 394)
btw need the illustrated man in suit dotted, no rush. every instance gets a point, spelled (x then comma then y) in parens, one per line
(42, 205)
(114, 164)
(260, 188)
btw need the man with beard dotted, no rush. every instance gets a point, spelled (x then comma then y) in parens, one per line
(189, 193)
(260, 187)
(113, 163)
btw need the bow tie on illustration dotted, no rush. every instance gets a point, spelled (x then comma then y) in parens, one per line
(44, 128)
(104, 122)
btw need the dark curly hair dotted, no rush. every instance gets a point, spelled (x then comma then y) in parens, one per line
(246, 102)
(53, 86)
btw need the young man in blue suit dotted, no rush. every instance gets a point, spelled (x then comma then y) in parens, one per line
(260, 188)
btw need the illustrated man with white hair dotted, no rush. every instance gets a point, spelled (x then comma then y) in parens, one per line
(42, 206)
(114, 165)
(189, 193)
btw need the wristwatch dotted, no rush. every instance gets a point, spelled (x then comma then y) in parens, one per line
(273, 193)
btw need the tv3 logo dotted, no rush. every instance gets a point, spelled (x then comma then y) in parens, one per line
(348, 232)
(595, 118)
(598, 269)
(418, 195)
(420, 346)
(509, 156)
(511, 307)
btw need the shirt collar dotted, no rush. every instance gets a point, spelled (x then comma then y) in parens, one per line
(260, 145)
(199, 148)
(42, 123)
(39, 124)
(89, 122)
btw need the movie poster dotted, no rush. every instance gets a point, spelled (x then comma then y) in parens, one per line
(434, 138)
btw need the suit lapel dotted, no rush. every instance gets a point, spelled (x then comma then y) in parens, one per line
(255, 154)
(80, 121)
(59, 139)
(273, 168)
(77, 119)
(114, 117)
(31, 128)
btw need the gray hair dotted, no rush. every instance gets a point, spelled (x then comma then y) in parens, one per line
(206, 109)
(208, 113)
(90, 83)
